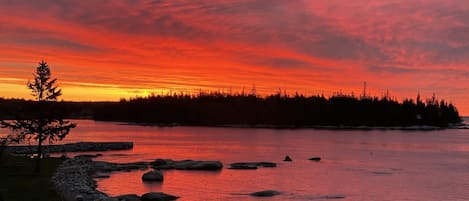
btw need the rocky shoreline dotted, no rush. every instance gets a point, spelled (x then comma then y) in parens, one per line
(72, 147)
(74, 181)
(74, 178)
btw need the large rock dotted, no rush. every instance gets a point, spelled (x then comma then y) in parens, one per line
(158, 196)
(287, 159)
(152, 176)
(128, 197)
(266, 193)
(251, 165)
(186, 164)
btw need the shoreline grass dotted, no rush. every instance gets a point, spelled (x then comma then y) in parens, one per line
(19, 182)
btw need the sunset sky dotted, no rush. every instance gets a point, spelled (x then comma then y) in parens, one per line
(108, 49)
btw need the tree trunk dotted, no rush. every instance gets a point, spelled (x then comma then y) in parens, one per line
(2, 148)
(39, 155)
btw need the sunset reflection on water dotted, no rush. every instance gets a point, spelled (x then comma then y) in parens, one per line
(360, 165)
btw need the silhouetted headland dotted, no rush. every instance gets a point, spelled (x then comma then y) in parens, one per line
(280, 111)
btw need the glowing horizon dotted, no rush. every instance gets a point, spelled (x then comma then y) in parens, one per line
(113, 49)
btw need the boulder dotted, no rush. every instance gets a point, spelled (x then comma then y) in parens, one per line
(315, 158)
(152, 176)
(287, 158)
(266, 193)
(128, 197)
(158, 196)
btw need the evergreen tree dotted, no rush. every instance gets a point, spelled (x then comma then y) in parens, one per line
(45, 122)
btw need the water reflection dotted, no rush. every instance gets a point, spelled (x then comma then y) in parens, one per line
(361, 165)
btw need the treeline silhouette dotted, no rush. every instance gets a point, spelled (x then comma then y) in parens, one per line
(216, 109)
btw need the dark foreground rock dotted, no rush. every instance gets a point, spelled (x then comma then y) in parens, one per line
(157, 196)
(186, 164)
(287, 158)
(250, 165)
(73, 147)
(266, 193)
(315, 158)
(152, 176)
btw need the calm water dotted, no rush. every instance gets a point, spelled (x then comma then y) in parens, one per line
(361, 165)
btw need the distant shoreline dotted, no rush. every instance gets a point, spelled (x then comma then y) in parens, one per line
(319, 127)
(243, 110)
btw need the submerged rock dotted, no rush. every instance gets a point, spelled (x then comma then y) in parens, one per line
(287, 158)
(338, 196)
(186, 164)
(102, 166)
(315, 158)
(251, 165)
(158, 196)
(152, 176)
(266, 193)
(128, 197)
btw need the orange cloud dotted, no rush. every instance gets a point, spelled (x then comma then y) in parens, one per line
(110, 49)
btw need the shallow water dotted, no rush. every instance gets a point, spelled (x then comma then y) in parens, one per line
(360, 165)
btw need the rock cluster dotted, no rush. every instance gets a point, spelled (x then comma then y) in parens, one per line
(73, 179)
(73, 147)
(186, 164)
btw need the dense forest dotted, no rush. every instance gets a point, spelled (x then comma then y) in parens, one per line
(217, 109)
